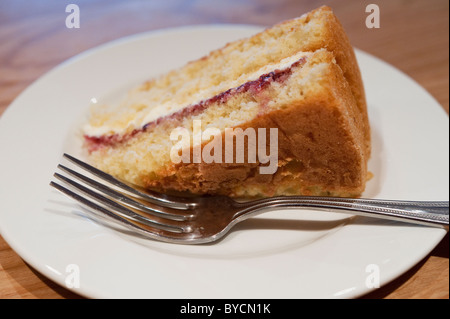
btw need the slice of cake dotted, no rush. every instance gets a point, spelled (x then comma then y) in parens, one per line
(280, 113)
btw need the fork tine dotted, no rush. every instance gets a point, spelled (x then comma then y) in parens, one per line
(153, 197)
(156, 233)
(168, 226)
(175, 215)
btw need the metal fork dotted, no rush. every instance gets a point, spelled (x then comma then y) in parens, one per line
(203, 219)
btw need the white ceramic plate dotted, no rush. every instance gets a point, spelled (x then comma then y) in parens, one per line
(289, 254)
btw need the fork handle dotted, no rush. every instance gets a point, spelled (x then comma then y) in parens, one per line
(430, 213)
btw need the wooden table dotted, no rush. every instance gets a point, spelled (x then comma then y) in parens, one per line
(413, 36)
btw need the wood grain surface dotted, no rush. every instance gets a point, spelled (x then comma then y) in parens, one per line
(413, 36)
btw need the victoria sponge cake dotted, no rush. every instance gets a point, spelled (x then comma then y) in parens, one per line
(291, 98)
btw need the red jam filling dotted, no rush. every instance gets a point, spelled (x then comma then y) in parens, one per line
(254, 87)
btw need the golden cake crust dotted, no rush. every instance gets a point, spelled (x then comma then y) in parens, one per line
(334, 39)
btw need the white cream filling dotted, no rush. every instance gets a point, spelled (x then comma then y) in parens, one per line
(138, 108)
